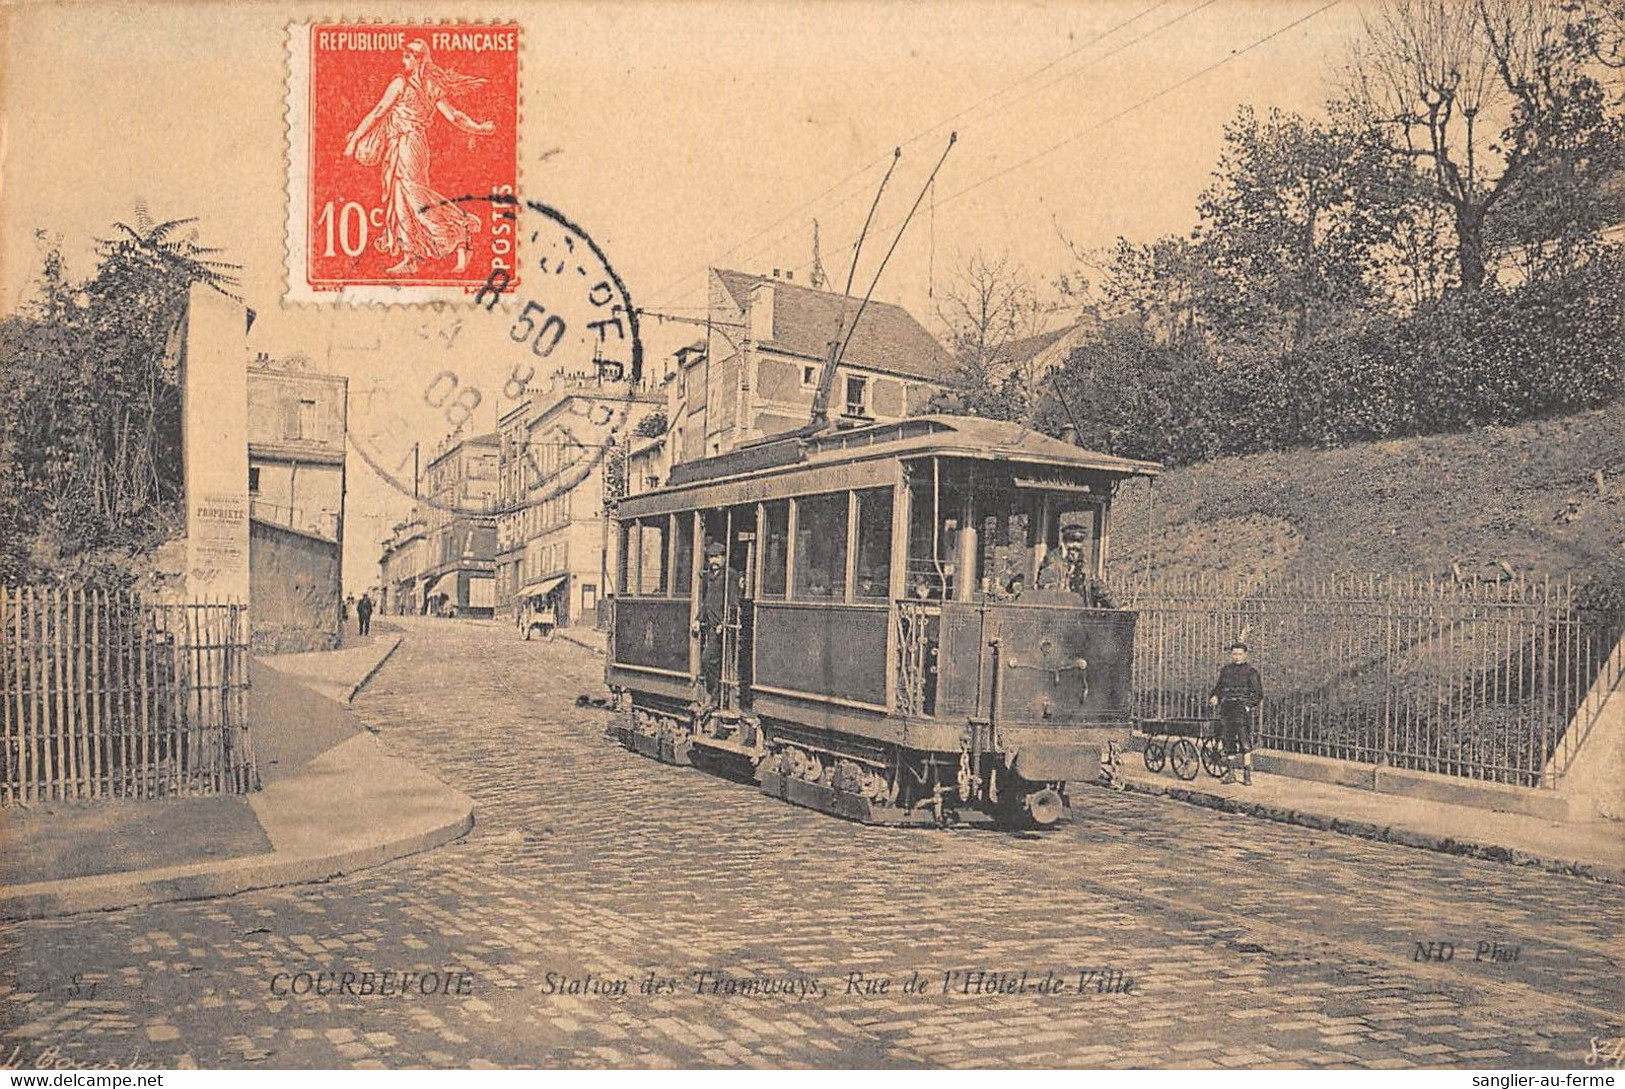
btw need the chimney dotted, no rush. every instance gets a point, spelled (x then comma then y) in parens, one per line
(1069, 433)
(760, 318)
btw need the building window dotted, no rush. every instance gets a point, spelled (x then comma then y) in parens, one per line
(254, 479)
(589, 597)
(857, 396)
(309, 422)
(809, 375)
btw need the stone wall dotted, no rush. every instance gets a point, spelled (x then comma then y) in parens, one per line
(294, 588)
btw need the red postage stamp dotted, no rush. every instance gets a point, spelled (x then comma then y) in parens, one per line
(402, 159)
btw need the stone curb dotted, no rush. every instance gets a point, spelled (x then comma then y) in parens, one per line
(356, 688)
(1405, 837)
(564, 634)
(202, 881)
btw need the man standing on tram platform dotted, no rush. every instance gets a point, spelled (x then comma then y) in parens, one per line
(716, 599)
(1068, 569)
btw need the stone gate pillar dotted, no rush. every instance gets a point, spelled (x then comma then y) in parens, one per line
(214, 392)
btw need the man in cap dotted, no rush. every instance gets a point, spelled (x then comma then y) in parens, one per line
(1068, 569)
(1238, 691)
(717, 598)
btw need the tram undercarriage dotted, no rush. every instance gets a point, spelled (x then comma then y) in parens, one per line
(850, 777)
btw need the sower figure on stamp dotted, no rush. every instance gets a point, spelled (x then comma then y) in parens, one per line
(1068, 569)
(1237, 693)
(419, 222)
(716, 602)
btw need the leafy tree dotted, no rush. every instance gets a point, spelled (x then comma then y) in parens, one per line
(1130, 393)
(92, 406)
(1292, 228)
(1163, 286)
(652, 426)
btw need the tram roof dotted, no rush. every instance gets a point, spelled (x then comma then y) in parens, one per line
(920, 436)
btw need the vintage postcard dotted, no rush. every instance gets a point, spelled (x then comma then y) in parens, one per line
(810, 535)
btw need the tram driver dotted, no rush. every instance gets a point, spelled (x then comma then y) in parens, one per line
(1069, 569)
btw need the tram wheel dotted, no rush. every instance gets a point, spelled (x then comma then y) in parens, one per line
(1155, 755)
(1213, 761)
(1184, 758)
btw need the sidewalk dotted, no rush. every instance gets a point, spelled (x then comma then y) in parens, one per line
(1594, 850)
(333, 801)
(340, 674)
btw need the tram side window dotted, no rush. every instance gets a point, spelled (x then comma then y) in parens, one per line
(776, 549)
(874, 545)
(821, 548)
(682, 561)
(628, 565)
(652, 568)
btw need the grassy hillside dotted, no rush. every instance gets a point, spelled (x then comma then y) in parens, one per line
(1528, 496)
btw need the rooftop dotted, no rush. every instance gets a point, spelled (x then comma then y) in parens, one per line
(888, 338)
(948, 436)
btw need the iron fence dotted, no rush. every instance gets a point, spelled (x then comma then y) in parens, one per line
(104, 694)
(1490, 680)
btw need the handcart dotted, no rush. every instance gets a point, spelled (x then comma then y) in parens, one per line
(1186, 744)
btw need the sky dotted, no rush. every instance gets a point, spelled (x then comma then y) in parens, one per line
(678, 135)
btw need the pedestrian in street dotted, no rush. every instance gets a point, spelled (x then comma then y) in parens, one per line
(1237, 693)
(344, 612)
(363, 613)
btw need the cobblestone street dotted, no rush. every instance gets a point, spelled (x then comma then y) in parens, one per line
(1240, 943)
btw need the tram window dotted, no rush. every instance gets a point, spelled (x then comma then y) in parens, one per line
(1006, 543)
(930, 573)
(652, 568)
(874, 545)
(627, 567)
(775, 549)
(682, 561)
(821, 548)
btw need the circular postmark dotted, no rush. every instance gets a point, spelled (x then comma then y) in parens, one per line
(566, 382)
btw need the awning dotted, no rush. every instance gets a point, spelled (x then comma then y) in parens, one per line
(445, 584)
(541, 587)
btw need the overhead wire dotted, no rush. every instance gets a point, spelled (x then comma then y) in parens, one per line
(1141, 104)
(866, 167)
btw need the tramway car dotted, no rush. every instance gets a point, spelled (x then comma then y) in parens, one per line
(887, 653)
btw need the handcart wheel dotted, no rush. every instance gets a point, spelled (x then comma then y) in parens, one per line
(1213, 761)
(1156, 755)
(1184, 759)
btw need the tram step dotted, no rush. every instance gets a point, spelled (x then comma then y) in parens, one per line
(666, 750)
(840, 803)
(732, 748)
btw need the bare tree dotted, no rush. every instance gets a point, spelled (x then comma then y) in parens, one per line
(1481, 94)
(987, 307)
